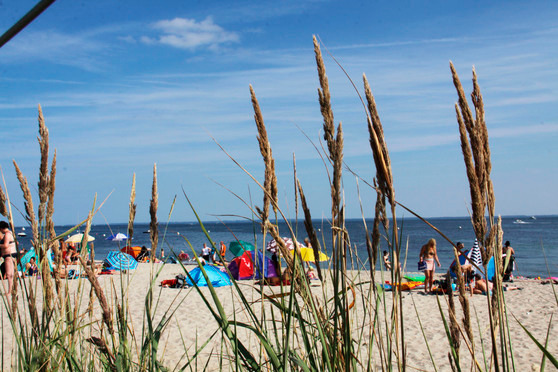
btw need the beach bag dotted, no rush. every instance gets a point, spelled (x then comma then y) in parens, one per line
(422, 265)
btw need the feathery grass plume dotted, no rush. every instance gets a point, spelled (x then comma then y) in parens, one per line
(132, 214)
(384, 179)
(379, 147)
(476, 153)
(29, 211)
(43, 170)
(3, 209)
(153, 225)
(310, 229)
(340, 330)
(334, 141)
(270, 180)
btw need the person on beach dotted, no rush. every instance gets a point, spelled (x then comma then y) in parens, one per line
(387, 262)
(9, 253)
(183, 256)
(311, 274)
(31, 267)
(482, 286)
(206, 253)
(508, 250)
(143, 255)
(223, 249)
(428, 254)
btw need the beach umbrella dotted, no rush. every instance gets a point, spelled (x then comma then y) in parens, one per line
(121, 261)
(118, 237)
(78, 238)
(474, 256)
(307, 254)
(273, 247)
(238, 247)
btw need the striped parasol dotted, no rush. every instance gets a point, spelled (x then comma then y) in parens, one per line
(273, 247)
(474, 255)
(121, 261)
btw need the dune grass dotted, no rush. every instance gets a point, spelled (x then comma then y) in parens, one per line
(290, 327)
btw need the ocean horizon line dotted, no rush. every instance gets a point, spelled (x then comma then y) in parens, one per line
(517, 216)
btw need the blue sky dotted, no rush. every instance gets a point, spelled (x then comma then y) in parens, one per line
(124, 85)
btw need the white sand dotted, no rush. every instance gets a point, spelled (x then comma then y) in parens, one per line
(192, 323)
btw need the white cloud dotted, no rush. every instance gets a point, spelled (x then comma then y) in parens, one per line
(184, 33)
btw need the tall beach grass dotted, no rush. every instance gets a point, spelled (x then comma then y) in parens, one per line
(82, 325)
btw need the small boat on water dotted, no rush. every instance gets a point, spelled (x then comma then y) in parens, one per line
(533, 217)
(22, 232)
(519, 221)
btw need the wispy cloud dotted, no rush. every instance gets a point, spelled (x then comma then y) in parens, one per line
(184, 33)
(76, 50)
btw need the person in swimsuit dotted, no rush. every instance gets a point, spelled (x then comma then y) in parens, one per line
(31, 267)
(9, 253)
(428, 254)
(387, 262)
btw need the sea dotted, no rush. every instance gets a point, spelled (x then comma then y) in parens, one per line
(534, 239)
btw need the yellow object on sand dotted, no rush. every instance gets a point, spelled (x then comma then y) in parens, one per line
(307, 255)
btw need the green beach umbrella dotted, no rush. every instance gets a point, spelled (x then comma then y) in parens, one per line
(238, 247)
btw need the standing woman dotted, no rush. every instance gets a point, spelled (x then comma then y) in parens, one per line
(9, 253)
(428, 254)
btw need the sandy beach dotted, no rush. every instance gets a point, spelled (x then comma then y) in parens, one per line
(193, 324)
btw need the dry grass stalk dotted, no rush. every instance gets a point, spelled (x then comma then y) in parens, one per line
(50, 227)
(454, 326)
(379, 147)
(284, 251)
(107, 313)
(44, 183)
(3, 208)
(377, 142)
(132, 214)
(463, 298)
(295, 187)
(384, 180)
(379, 217)
(270, 180)
(29, 211)
(153, 225)
(310, 229)
(476, 153)
(334, 141)
(384, 177)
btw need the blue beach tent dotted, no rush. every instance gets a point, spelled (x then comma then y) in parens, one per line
(217, 277)
(24, 260)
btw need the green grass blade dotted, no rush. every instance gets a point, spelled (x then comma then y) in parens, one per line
(545, 351)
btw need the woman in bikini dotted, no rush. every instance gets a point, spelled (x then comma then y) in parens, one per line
(9, 252)
(428, 254)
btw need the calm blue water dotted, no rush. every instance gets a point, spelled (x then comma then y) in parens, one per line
(528, 239)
